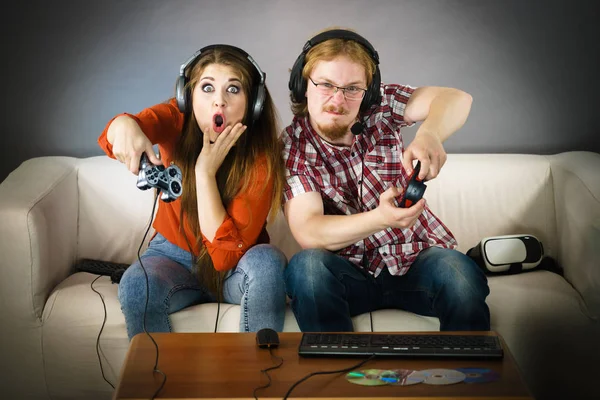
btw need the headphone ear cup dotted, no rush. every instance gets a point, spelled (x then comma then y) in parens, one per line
(181, 94)
(259, 103)
(297, 84)
(373, 95)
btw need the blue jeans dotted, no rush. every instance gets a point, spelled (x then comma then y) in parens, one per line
(256, 283)
(327, 290)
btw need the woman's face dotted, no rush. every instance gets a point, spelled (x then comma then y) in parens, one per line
(218, 99)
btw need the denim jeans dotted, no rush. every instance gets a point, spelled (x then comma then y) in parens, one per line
(327, 290)
(256, 283)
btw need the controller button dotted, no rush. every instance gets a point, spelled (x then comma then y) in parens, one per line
(176, 187)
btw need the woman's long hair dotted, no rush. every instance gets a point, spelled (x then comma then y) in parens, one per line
(261, 139)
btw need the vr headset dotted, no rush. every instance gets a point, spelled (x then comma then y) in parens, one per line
(509, 254)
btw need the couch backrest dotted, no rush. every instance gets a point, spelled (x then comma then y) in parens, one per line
(476, 196)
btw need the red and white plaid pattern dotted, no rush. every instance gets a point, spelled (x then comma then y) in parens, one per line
(336, 172)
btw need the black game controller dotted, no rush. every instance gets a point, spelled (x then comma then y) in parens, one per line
(166, 180)
(415, 189)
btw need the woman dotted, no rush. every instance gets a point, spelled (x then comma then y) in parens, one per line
(225, 141)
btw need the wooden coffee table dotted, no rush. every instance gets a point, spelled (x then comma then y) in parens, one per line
(228, 365)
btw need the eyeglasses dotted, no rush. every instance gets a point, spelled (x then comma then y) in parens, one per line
(350, 92)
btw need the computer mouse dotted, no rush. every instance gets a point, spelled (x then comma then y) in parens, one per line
(266, 338)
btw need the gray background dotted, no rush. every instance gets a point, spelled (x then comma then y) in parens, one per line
(531, 66)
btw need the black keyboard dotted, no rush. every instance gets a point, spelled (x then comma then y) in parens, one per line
(399, 345)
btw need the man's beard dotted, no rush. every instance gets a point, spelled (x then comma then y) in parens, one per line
(334, 131)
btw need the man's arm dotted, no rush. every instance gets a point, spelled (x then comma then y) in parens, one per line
(443, 112)
(312, 229)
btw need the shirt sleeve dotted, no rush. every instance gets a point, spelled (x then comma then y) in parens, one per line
(159, 123)
(397, 97)
(245, 218)
(298, 184)
(298, 177)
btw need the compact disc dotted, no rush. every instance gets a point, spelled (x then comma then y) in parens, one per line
(440, 376)
(367, 377)
(400, 377)
(479, 375)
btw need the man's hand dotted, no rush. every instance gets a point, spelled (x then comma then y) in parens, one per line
(396, 217)
(129, 142)
(427, 148)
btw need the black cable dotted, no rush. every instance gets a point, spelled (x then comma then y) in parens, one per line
(325, 373)
(155, 369)
(219, 290)
(266, 372)
(101, 329)
(362, 181)
(362, 209)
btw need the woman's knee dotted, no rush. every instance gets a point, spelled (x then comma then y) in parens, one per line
(263, 261)
(132, 287)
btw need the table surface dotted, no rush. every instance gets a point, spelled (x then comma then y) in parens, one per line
(228, 365)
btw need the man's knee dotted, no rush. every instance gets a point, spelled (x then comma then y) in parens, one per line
(460, 275)
(308, 268)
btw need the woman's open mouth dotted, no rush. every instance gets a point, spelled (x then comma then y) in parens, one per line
(218, 123)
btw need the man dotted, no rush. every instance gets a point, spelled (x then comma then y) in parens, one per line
(346, 167)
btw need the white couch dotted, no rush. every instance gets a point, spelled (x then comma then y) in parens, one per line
(57, 210)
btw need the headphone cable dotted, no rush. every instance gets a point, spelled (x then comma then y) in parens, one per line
(361, 203)
(155, 369)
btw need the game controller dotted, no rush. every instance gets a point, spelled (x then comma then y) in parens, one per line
(166, 180)
(414, 190)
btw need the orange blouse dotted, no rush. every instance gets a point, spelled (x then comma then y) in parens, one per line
(246, 215)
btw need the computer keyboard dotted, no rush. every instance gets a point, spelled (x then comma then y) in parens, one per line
(400, 345)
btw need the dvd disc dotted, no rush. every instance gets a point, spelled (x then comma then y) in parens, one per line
(367, 377)
(400, 377)
(440, 376)
(479, 375)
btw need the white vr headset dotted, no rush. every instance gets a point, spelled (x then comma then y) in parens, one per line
(508, 254)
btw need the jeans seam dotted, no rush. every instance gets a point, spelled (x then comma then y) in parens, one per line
(245, 297)
(167, 300)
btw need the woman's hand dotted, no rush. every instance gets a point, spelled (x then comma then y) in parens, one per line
(212, 155)
(129, 142)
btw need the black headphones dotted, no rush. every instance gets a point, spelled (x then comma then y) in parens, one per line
(297, 84)
(256, 101)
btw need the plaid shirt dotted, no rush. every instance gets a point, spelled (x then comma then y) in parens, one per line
(336, 172)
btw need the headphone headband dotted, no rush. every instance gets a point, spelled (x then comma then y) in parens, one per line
(342, 34)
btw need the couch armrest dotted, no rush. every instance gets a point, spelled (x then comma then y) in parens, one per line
(39, 212)
(577, 201)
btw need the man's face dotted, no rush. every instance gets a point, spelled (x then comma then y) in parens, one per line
(331, 115)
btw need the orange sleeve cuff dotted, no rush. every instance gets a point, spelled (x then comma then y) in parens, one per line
(103, 141)
(227, 246)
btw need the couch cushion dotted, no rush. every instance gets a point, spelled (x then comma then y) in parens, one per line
(542, 319)
(481, 195)
(113, 212)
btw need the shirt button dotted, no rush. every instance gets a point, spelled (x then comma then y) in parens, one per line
(240, 245)
(359, 181)
(384, 254)
(352, 154)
